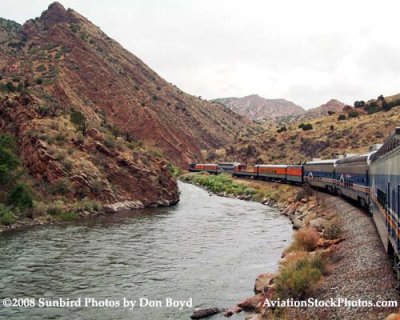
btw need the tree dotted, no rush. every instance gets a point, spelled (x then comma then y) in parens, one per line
(353, 114)
(20, 196)
(79, 120)
(8, 161)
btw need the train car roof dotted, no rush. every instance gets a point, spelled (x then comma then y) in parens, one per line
(327, 161)
(355, 159)
(390, 144)
(229, 163)
(271, 165)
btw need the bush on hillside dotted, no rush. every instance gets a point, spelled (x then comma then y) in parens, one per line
(7, 217)
(21, 197)
(306, 127)
(353, 114)
(79, 120)
(306, 239)
(298, 278)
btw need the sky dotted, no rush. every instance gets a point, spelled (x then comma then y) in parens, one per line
(306, 51)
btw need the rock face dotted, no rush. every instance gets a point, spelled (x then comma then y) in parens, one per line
(70, 63)
(332, 106)
(66, 163)
(255, 107)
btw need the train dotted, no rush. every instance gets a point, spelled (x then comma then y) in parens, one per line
(372, 180)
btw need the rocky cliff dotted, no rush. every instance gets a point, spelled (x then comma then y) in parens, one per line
(258, 108)
(91, 122)
(70, 63)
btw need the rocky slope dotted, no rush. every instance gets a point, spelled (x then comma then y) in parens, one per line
(331, 107)
(68, 164)
(71, 63)
(352, 131)
(258, 108)
(84, 123)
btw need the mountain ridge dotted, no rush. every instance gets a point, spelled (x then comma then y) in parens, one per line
(258, 108)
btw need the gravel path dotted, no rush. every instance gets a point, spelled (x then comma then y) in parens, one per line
(362, 269)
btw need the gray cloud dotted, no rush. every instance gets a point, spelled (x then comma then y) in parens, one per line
(305, 51)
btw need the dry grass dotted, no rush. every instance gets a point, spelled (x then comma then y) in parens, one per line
(353, 135)
(306, 239)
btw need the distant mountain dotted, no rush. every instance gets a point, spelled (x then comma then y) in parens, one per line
(255, 107)
(332, 106)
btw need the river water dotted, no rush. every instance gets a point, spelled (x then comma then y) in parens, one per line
(206, 249)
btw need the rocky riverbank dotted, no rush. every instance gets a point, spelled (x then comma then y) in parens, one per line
(58, 212)
(336, 253)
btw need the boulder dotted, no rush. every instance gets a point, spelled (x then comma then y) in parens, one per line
(254, 317)
(297, 224)
(202, 313)
(228, 313)
(263, 281)
(319, 223)
(95, 134)
(250, 303)
(123, 205)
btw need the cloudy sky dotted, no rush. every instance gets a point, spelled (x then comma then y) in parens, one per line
(307, 51)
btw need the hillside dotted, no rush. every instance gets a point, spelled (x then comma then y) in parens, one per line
(84, 123)
(328, 137)
(332, 106)
(71, 63)
(255, 107)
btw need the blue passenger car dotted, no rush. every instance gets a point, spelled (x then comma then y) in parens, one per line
(352, 178)
(321, 174)
(385, 194)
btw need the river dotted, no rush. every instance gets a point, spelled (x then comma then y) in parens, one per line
(207, 248)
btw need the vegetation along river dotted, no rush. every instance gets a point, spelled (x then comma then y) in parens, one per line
(207, 248)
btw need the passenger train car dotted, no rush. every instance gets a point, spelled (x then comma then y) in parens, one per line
(320, 174)
(373, 180)
(352, 177)
(384, 183)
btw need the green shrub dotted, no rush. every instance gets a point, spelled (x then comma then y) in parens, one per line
(61, 186)
(41, 68)
(79, 120)
(67, 216)
(55, 208)
(299, 279)
(221, 183)
(174, 170)
(8, 161)
(342, 117)
(7, 217)
(307, 127)
(20, 196)
(353, 114)
(97, 186)
(334, 230)
(60, 138)
(87, 205)
(110, 141)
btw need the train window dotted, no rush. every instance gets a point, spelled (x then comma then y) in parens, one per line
(381, 197)
(393, 199)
